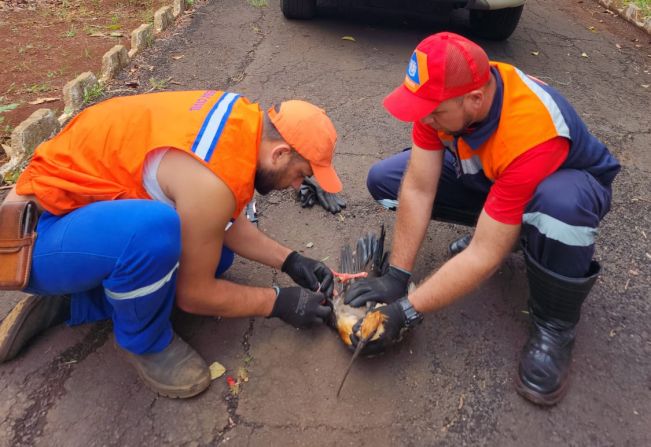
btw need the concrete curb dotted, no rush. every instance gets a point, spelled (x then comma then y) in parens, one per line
(43, 124)
(631, 13)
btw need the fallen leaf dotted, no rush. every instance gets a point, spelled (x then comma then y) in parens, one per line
(619, 47)
(612, 333)
(584, 55)
(309, 244)
(593, 29)
(242, 375)
(42, 100)
(535, 53)
(633, 272)
(648, 255)
(216, 370)
(350, 38)
(645, 85)
(6, 148)
(97, 34)
(177, 57)
(116, 34)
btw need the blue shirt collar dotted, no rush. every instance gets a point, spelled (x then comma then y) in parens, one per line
(481, 132)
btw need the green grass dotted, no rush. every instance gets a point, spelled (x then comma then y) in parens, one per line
(93, 93)
(644, 5)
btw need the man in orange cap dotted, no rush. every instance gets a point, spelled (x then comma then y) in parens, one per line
(498, 149)
(143, 200)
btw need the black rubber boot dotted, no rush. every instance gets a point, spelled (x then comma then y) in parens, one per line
(459, 245)
(555, 308)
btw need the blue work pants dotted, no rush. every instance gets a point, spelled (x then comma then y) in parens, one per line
(559, 223)
(119, 260)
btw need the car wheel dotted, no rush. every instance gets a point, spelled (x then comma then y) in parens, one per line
(497, 24)
(298, 9)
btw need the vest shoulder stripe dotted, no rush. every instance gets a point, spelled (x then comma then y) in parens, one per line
(554, 111)
(213, 126)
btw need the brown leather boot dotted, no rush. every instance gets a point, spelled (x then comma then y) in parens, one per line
(177, 371)
(555, 308)
(32, 315)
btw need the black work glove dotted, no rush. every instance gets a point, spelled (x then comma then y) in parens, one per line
(383, 289)
(300, 307)
(394, 327)
(310, 193)
(309, 273)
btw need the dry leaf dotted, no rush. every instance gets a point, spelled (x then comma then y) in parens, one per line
(645, 85)
(584, 55)
(242, 375)
(42, 100)
(116, 34)
(216, 370)
(350, 38)
(97, 34)
(180, 56)
(535, 53)
(593, 29)
(6, 148)
(619, 47)
(309, 244)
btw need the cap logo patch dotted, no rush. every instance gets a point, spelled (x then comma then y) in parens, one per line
(417, 73)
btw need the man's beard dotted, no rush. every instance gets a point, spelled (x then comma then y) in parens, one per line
(464, 130)
(266, 180)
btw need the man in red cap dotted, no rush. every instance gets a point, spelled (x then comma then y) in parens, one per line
(498, 149)
(143, 199)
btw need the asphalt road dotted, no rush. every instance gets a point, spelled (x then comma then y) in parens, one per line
(451, 381)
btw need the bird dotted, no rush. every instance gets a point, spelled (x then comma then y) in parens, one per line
(368, 259)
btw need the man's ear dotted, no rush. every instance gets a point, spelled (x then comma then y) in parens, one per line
(476, 98)
(280, 151)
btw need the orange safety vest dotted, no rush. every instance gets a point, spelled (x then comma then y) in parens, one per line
(525, 121)
(100, 154)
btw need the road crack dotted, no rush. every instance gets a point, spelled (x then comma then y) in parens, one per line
(54, 376)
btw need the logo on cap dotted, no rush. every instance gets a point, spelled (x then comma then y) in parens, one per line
(417, 73)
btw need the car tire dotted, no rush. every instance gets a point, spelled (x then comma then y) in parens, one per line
(496, 24)
(298, 9)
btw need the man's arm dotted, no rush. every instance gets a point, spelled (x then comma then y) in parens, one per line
(491, 243)
(415, 203)
(203, 221)
(245, 239)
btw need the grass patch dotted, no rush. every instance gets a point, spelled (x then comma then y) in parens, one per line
(258, 3)
(644, 5)
(93, 93)
(158, 84)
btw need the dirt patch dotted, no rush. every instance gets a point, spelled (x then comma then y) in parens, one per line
(46, 43)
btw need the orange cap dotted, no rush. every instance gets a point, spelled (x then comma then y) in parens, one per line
(308, 130)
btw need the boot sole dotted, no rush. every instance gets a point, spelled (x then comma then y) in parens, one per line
(165, 390)
(12, 324)
(545, 400)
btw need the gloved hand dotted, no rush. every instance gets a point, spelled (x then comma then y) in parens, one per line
(394, 327)
(300, 307)
(309, 273)
(383, 289)
(310, 193)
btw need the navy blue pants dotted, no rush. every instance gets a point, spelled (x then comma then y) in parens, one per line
(559, 223)
(117, 260)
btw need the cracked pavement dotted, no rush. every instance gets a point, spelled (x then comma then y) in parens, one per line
(451, 381)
